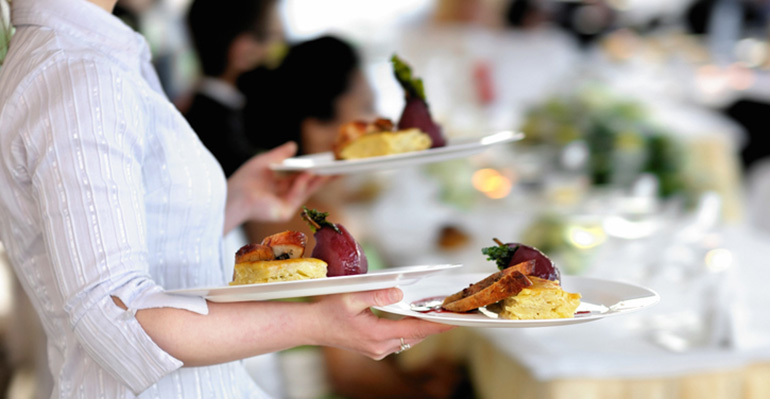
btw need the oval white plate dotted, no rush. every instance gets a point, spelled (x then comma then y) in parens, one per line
(600, 298)
(374, 280)
(325, 164)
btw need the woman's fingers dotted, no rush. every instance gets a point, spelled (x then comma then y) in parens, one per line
(300, 188)
(257, 193)
(359, 301)
(367, 334)
(304, 186)
(280, 153)
(414, 330)
(258, 163)
(405, 333)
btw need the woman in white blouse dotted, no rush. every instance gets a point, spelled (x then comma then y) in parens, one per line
(108, 198)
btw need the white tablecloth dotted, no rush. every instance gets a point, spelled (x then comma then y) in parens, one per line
(622, 346)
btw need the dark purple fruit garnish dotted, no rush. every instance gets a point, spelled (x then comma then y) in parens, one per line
(416, 113)
(335, 246)
(510, 254)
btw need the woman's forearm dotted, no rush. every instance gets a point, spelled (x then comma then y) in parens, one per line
(230, 331)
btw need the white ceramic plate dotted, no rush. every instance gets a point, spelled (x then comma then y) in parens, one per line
(374, 280)
(600, 298)
(325, 164)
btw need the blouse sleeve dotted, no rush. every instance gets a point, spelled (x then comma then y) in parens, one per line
(85, 137)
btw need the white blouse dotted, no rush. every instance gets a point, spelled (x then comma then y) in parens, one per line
(106, 191)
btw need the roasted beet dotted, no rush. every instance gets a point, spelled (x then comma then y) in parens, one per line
(544, 266)
(341, 252)
(416, 113)
(510, 254)
(335, 246)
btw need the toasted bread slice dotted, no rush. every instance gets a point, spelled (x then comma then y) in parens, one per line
(488, 291)
(524, 268)
(385, 143)
(270, 271)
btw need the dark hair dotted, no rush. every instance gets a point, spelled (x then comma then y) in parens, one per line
(517, 12)
(307, 84)
(214, 24)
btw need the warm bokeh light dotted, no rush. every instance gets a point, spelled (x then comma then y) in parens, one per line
(585, 236)
(719, 259)
(492, 183)
(710, 79)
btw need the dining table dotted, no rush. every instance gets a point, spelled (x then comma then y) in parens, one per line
(707, 338)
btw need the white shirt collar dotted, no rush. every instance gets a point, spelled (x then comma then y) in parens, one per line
(222, 92)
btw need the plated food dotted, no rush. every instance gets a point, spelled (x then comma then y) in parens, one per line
(361, 139)
(335, 245)
(416, 129)
(279, 257)
(416, 112)
(379, 144)
(600, 298)
(325, 164)
(404, 277)
(527, 287)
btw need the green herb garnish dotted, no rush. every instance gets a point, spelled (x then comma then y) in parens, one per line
(501, 254)
(317, 219)
(412, 85)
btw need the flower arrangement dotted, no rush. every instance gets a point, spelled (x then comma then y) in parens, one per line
(621, 140)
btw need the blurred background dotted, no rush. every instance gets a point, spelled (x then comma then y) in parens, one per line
(645, 160)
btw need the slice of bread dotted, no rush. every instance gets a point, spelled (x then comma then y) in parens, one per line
(524, 268)
(384, 143)
(504, 285)
(268, 271)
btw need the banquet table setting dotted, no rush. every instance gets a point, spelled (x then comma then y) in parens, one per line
(705, 256)
(706, 338)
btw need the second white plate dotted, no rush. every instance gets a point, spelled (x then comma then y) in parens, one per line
(600, 298)
(325, 164)
(374, 280)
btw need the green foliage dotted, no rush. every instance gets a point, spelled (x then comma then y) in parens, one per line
(664, 161)
(546, 233)
(403, 72)
(454, 178)
(317, 219)
(500, 254)
(6, 30)
(622, 140)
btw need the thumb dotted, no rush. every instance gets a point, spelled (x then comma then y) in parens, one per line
(364, 300)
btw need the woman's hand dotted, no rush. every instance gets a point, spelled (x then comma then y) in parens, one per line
(345, 321)
(254, 192)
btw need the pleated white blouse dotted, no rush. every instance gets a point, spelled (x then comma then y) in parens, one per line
(106, 191)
